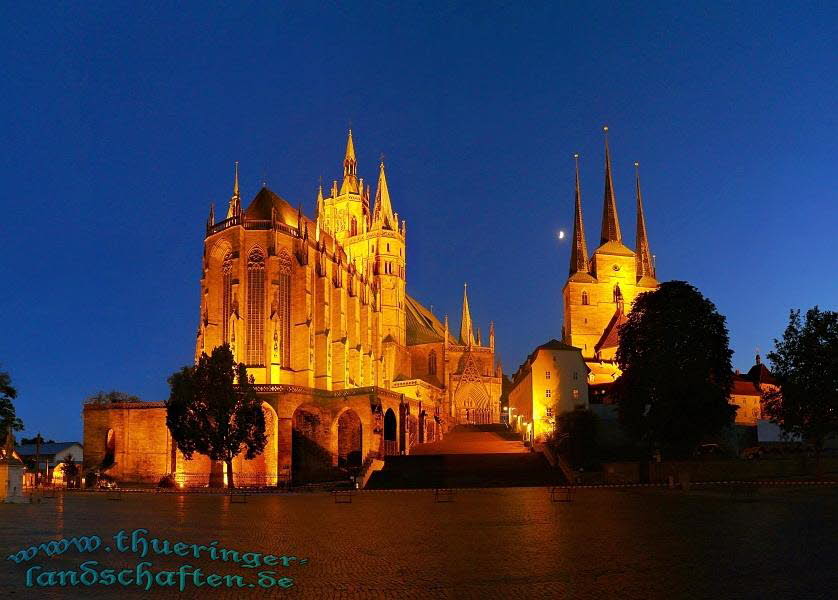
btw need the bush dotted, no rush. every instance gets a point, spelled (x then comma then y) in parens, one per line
(167, 481)
(575, 438)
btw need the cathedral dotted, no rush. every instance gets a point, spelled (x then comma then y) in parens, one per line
(348, 364)
(600, 289)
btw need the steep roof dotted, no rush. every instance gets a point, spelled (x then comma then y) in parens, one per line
(759, 373)
(261, 205)
(744, 386)
(553, 344)
(611, 336)
(422, 326)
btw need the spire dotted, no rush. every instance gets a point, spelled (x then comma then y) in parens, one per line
(645, 266)
(350, 165)
(466, 330)
(320, 212)
(610, 222)
(383, 211)
(235, 199)
(579, 252)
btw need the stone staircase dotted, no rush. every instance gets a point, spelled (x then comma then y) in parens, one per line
(466, 471)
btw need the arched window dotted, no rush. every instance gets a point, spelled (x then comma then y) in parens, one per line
(256, 308)
(618, 295)
(585, 300)
(226, 295)
(353, 228)
(432, 363)
(284, 307)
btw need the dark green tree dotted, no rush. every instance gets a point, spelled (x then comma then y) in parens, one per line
(805, 363)
(70, 470)
(575, 437)
(8, 417)
(213, 410)
(676, 370)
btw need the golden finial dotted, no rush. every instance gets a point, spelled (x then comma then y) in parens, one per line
(636, 165)
(381, 158)
(605, 128)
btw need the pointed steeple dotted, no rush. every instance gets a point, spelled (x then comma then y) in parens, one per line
(383, 211)
(320, 210)
(235, 200)
(350, 165)
(466, 329)
(645, 266)
(350, 169)
(579, 251)
(610, 222)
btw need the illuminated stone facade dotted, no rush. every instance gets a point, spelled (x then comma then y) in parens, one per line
(600, 290)
(349, 366)
(552, 380)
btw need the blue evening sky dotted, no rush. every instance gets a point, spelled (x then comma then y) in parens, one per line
(121, 125)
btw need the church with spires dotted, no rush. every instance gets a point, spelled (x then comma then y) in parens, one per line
(349, 366)
(601, 287)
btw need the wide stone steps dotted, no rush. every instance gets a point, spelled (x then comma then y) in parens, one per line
(466, 471)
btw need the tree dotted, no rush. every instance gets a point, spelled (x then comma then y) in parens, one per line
(111, 397)
(70, 470)
(676, 369)
(9, 420)
(213, 410)
(575, 437)
(805, 362)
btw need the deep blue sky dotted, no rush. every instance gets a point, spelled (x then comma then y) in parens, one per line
(120, 126)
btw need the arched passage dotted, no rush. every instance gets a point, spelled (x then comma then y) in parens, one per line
(350, 440)
(261, 470)
(311, 459)
(389, 443)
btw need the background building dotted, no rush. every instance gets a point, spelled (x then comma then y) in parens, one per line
(600, 290)
(552, 380)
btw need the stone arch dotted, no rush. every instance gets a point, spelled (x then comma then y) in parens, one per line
(109, 457)
(261, 470)
(311, 458)
(349, 432)
(389, 439)
(220, 249)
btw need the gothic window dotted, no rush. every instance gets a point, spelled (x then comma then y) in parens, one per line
(226, 295)
(256, 308)
(585, 298)
(353, 229)
(618, 295)
(432, 363)
(284, 307)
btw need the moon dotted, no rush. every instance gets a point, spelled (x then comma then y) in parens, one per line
(561, 234)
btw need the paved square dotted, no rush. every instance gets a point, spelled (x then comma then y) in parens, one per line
(492, 543)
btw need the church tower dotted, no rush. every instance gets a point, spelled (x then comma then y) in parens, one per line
(599, 292)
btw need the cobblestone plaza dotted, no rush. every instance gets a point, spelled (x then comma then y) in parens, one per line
(489, 543)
